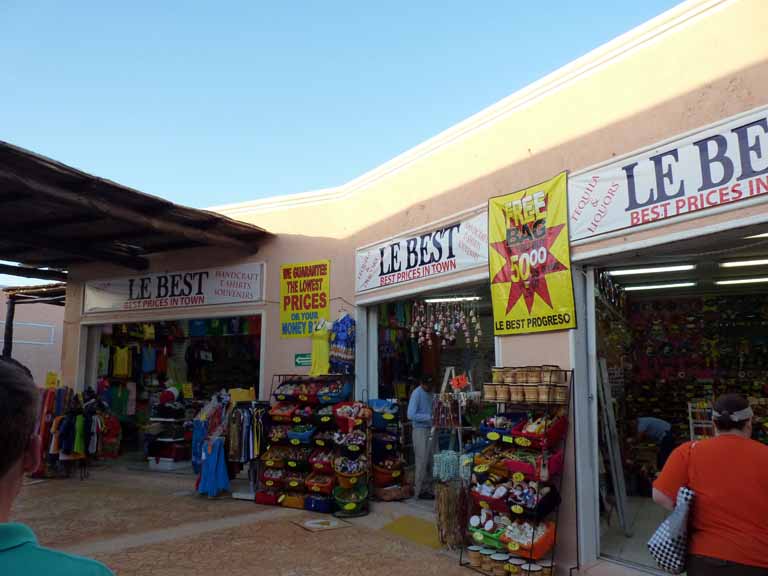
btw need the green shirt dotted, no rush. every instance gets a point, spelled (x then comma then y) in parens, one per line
(20, 554)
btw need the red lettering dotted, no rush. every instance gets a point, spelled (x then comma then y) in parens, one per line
(736, 193)
(762, 185)
(634, 218)
(693, 203)
(286, 302)
(710, 201)
(724, 198)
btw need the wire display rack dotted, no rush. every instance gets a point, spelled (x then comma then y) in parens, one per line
(518, 456)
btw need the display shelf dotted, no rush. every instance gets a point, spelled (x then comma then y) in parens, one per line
(518, 463)
(155, 419)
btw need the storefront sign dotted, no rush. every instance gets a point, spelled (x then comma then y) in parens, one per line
(436, 252)
(719, 166)
(225, 285)
(530, 260)
(302, 360)
(305, 297)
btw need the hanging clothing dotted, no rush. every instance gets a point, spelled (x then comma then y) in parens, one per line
(342, 352)
(104, 357)
(320, 350)
(122, 362)
(148, 359)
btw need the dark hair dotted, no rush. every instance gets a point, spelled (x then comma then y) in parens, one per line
(726, 405)
(19, 398)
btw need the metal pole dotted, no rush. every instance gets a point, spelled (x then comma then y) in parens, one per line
(8, 337)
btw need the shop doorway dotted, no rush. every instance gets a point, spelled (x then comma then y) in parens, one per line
(674, 328)
(154, 376)
(422, 336)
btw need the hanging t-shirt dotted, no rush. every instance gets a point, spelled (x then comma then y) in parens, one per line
(149, 331)
(103, 360)
(216, 327)
(122, 362)
(148, 359)
(197, 328)
(162, 361)
(320, 350)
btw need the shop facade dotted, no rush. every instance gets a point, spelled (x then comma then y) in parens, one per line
(413, 211)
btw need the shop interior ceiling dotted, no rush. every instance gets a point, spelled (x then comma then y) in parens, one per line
(54, 216)
(707, 253)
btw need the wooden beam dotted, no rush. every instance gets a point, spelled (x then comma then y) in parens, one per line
(72, 248)
(25, 272)
(88, 200)
(8, 336)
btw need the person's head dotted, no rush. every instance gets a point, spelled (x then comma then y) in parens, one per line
(426, 383)
(732, 414)
(20, 450)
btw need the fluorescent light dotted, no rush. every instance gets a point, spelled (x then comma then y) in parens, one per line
(740, 263)
(456, 299)
(741, 281)
(763, 235)
(654, 270)
(659, 286)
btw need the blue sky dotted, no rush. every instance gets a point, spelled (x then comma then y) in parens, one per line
(207, 103)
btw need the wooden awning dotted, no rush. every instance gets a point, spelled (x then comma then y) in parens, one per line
(53, 216)
(47, 294)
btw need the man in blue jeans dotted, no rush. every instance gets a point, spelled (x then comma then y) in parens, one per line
(420, 415)
(20, 451)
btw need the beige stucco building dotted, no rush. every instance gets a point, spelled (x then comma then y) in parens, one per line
(694, 66)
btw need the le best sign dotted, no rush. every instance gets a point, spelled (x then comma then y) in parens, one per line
(441, 250)
(224, 285)
(721, 165)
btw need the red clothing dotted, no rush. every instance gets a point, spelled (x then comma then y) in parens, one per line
(729, 475)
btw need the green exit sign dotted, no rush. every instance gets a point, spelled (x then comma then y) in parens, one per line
(303, 360)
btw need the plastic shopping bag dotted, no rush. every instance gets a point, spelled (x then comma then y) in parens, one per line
(669, 544)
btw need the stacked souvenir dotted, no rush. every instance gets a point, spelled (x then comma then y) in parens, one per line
(389, 479)
(318, 455)
(514, 485)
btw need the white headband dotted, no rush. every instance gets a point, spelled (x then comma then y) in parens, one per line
(738, 416)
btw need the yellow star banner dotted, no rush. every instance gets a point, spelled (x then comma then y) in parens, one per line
(530, 259)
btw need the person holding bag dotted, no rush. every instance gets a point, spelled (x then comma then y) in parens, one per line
(728, 525)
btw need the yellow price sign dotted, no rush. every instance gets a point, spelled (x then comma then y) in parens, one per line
(315, 488)
(325, 398)
(481, 468)
(524, 442)
(295, 441)
(270, 462)
(388, 416)
(508, 439)
(318, 466)
(281, 396)
(358, 422)
(297, 419)
(280, 500)
(477, 536)
(270, 483)
(353, 480)
(187, 391)
(303, 397)
(294, 483)
(349, 506)
(484, 504)
(354, 448)
(513, 546)
(517, 509)
(388, 446)
(320, 442)
(292, 464)
(325, 419)
(396, 474)
(518, 476)
(493, 436)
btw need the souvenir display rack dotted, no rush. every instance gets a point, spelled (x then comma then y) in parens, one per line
(318, 446)
(390, 481)
(516, 472)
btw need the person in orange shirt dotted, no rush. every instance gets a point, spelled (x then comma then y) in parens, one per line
(729, 475)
